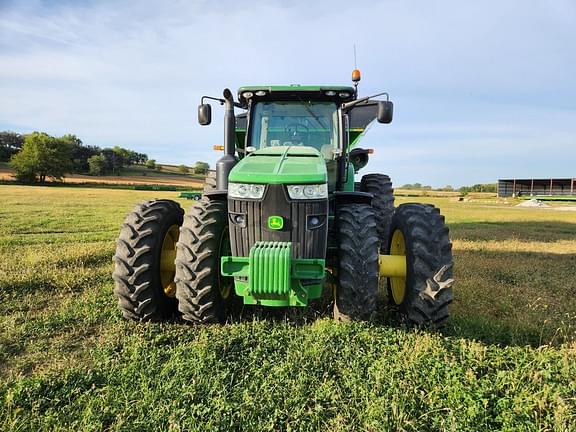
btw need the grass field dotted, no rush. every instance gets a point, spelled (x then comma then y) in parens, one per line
(506, 361)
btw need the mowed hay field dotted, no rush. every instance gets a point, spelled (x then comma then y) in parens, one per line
(506, 361)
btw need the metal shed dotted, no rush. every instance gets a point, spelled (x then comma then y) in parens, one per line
(537, 187)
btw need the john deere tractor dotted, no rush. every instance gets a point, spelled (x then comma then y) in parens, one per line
(282, 219)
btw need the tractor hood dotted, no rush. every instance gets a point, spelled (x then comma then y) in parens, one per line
(281, 165)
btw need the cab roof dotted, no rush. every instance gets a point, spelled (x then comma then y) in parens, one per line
(297, 92)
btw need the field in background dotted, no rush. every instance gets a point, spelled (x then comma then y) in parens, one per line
(507, 359)
(134, 175)
(426, 192)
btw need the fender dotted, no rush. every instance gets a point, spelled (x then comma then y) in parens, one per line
(353, 197)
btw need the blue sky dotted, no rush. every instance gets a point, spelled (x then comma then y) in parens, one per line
(482, 90)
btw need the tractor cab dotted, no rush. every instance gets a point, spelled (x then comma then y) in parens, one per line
(329, 119)
(305, 115)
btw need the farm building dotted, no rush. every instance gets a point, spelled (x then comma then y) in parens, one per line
(537, 187)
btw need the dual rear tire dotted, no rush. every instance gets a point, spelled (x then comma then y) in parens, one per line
(168, 265)
(417, 231)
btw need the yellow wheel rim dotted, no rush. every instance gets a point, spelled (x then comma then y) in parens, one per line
(398, 284)
(167, 258)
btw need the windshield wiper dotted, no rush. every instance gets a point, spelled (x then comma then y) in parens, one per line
(312, 114)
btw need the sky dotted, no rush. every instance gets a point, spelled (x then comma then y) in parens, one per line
(482, 90)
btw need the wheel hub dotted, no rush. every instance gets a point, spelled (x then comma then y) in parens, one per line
(398, 283)
(167, 258)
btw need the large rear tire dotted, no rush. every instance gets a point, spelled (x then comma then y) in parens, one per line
(203, 294)
(144, 266)
(380, 186)
(419, 232)
(357, 288)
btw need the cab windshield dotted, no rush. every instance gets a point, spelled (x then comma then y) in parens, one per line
(313, 124)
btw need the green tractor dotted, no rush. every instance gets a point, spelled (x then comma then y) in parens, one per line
(283, 218)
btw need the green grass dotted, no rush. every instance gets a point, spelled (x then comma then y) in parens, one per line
(506, 361)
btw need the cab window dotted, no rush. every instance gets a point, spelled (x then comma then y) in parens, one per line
(291, 123)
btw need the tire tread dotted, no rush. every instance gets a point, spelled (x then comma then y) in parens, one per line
(135, 261)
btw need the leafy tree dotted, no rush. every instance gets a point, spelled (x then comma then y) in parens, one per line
(42, 156)
(80, 153)
(119, 157)
(97, 164)
(183, 169)
(134, 158)
(10, 144)
(71, 139)
(151, 163)
(122, 155)
(201, 167)
(114, 160)
(142, 158)
(80, 156)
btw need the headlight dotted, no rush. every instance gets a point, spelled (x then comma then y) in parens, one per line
(243, 190)
(316, 191)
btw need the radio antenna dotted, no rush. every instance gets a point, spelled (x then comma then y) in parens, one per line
(355, 75)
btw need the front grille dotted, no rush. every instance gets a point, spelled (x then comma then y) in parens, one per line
(306, 243)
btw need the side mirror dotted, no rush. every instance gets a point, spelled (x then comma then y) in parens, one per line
(204, 114)
(385, 111)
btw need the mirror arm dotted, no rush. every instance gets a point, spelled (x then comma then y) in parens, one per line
(349, 105)
(221, 101)
(212, 98)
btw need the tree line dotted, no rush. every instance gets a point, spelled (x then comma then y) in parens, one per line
(480, 187)
(38, 156)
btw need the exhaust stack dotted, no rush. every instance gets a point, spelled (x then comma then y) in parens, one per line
(227, 162)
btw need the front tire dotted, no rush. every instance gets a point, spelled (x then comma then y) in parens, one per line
(144, 269)
(210, 182)
(203, 294)
(418, 231)
(357, 287)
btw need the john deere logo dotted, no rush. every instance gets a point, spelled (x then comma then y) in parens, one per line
(275, 222)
